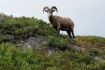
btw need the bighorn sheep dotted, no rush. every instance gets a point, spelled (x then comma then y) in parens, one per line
(60, 23)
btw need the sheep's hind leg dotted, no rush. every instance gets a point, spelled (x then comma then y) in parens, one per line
(73, 33)
(69, 33)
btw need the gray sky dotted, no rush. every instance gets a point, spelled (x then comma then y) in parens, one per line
(88, 15)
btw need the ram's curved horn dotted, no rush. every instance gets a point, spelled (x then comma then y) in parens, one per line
(54, 8)
(45, 9)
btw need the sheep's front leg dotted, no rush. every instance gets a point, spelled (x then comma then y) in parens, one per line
(58, 30)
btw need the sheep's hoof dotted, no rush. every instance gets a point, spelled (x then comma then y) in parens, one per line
(73, 36)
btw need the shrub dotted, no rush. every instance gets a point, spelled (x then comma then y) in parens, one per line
(58, 42)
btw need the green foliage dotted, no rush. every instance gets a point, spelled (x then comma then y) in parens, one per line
(14, 58)
(24, 27)
(57, 41)
(90, 41)
(60, 42)
(3, 38)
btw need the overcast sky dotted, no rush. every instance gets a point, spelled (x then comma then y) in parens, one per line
(88, 15)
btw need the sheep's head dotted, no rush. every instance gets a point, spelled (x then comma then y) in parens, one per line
(50, 10)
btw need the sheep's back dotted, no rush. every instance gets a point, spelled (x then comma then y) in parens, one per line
(64, 21)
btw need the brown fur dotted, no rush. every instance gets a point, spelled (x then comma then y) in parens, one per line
(61, 23)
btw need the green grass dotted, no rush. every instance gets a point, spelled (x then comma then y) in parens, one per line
(14, 58)
(90, 41)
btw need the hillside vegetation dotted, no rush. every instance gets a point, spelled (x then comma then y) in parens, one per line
(14, 57)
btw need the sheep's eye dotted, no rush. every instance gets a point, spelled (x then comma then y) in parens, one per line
(46, 10)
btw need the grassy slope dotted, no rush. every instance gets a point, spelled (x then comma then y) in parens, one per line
(13, 58)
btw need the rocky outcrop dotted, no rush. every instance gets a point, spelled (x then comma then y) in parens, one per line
(33, 42)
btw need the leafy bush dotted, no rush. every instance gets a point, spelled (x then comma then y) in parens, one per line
(25, 27)
(58, 42)
(3, 38)
(12, 58)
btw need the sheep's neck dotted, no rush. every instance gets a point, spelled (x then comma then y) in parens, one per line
(51, 19)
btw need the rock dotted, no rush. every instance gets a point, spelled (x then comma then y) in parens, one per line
(78, 48)
(33, 42)
(98, 59)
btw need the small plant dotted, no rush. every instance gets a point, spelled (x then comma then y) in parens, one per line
(3, 39)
